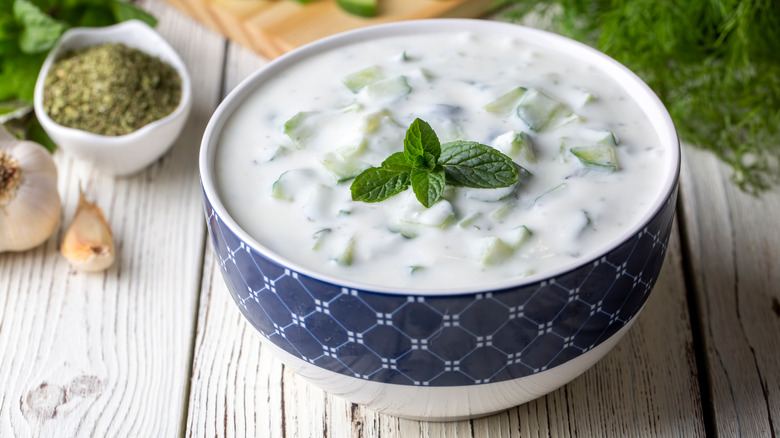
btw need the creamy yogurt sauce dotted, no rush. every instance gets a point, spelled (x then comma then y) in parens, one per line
(286, 155)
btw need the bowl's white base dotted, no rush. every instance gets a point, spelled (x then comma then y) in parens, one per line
(447, 403)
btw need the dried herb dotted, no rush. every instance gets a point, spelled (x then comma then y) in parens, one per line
(714, 64)
(29, 29)
(110, 89)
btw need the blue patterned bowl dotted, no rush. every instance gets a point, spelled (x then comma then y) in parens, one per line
(443, 356)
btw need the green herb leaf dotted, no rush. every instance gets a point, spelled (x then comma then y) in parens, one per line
(397, 162)
(428, 167)
(124, 11)
(421, 145)
(472, 164)
(377, 184)
(39, 31)
(699, 58)
(18, 75)
(428, 185)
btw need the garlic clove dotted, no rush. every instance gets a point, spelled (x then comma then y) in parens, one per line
(88, 244)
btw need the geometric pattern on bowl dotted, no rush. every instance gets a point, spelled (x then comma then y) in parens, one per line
(447, 340)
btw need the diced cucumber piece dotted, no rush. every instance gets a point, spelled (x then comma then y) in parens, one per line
(342, 169)
(468, 220)
(415, 268)
(352, 108)
(516, 145)
(562, 119)
(358, 80)
(600, 155)
(502, 211)
(598, 136)
(401, 57)
(507, 102)
(422, 74)
(404, 229)
(371, 122)
(352, 147)
(490, 195)
(291, 183)
(318, 237)
(537, 109)
(519, 236)
(363, 8)
(388, 89)
(494, 251)
(582, 97)
(438, 215)
(300, 127)
(345, 255)
(547, 194)
(319, 203)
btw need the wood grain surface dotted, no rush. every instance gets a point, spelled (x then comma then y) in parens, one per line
(733, 247)
(274, 27)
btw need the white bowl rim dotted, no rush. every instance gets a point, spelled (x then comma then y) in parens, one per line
(131, 27)
(665, 131)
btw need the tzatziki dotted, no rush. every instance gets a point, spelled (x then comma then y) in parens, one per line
(589, 160)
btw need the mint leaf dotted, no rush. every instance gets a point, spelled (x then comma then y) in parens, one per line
(124, 11)
(428, 185)
(421, 145)
(397, 162)
(428, 167)
(378, 183)
(39, 31)
(471, 164)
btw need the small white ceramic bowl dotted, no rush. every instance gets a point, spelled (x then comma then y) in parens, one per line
(125, 154)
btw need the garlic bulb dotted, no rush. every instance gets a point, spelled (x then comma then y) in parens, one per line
(88, 244)
(29, 203)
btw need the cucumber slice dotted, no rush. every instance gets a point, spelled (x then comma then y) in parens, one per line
(438, 215)
(372, 122)
(582, 97)
(519, 236)
(490, 195)
(537, 109)
(319, 237)
(300, 127)
(290, 183)
(468, 220)
(494, 251)
(506, 102)
(516, 145)
(363, 8)
(502, 211)
(388, 89)
(346, 253)
(319, 204)
(342, 169)
(352, 148)
(549, 193)
(600, 156)
(358, 80)
(353, 107)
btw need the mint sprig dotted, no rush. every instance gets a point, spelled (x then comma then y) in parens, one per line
(428, 166)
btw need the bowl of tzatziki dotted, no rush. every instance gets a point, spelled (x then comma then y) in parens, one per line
(440, 219)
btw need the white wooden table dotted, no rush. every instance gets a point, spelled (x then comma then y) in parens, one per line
(154, 347)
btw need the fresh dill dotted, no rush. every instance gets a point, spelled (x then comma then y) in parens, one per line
(714, 64)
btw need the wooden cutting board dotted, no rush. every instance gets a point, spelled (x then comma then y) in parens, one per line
(274, 27)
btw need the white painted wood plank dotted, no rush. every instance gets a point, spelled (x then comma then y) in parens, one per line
(107, 354)
(734, 246)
